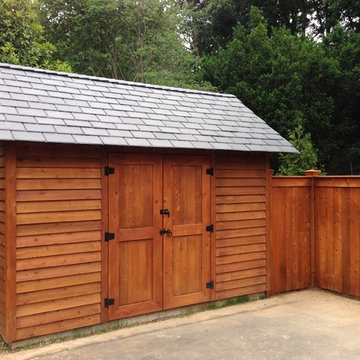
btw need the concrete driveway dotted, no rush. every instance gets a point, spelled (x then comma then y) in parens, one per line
(309, 324)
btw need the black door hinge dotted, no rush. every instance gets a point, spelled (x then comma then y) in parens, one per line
(210, 285)
(108, 302)
(109, 170)
(210, 171)
(109, 236)
(210, 228)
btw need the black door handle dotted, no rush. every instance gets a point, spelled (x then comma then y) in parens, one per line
(168, 232)
(165, 212)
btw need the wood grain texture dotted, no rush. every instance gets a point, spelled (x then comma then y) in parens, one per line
(334, 260)
(240, 225)
(187, 249)
(58, 223)
(10, 241)
(61, 260)
(290, 229)
(268, 235)
(135, 255)
(337, 233)
(2, 240)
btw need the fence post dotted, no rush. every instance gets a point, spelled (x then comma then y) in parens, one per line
(312, 173)
(269, 250)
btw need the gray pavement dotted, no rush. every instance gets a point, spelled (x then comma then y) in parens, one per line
(309, 324)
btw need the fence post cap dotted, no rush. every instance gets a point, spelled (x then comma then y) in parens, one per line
(312, 172)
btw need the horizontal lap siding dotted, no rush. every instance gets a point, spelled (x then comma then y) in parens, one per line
(240, 226)
(2, 240)
(337, 229)
(58, 217)
(290, 240)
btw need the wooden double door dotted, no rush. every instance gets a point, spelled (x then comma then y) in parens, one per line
(159, 208)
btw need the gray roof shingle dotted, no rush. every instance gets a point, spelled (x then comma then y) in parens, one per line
(54, 107)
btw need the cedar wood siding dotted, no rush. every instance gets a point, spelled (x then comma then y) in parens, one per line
(60, 194)
(240, 225)
(2, 240)
(58, 252)
(337, 234)
(291, 235)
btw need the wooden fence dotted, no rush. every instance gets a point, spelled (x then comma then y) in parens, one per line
(315, 237)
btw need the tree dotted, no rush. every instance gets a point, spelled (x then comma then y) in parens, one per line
(262, 71)
(22, 38)
(285, 77)
(122, 39)
(296, 164)
(327, 14)
(211, 22)
(341, 48)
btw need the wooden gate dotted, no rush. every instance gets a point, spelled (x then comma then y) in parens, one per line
(158, 211)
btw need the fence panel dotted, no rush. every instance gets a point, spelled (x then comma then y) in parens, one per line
(290, 234)
(337, 234)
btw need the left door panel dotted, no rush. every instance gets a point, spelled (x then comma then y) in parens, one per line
(135, 255)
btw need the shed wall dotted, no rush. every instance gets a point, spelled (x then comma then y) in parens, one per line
(58, 252)
(60, 267)
(2, 240)
(240, 225)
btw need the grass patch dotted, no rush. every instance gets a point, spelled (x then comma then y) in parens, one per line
(4, 348)
(230, 302)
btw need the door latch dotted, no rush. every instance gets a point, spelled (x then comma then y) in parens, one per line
(168, 232)
(165, 212)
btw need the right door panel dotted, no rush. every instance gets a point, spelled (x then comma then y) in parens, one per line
(187, 248)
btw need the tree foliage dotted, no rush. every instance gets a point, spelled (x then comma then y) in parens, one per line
(284, 77)
(123, 39)
(211, 23)
(296, 164)
(22, 38)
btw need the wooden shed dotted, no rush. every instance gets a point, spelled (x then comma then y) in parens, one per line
(119, 199)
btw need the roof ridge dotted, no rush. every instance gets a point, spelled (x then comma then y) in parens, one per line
(116, 81)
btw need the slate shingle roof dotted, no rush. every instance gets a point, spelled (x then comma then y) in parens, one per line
(47, 106)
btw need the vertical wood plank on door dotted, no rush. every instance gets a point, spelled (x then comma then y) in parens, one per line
(136, 271)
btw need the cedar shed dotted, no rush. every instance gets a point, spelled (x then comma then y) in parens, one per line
(120, 199)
